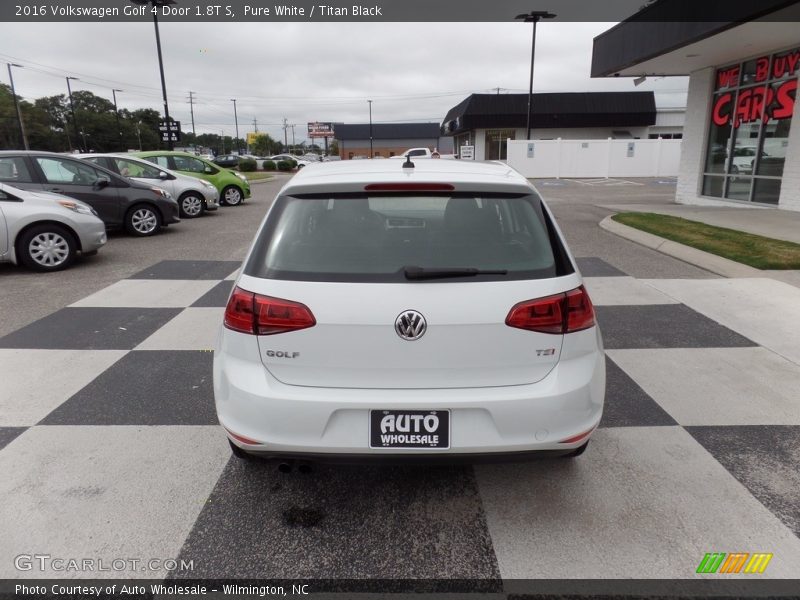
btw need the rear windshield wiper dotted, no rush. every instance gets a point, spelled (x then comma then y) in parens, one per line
(417, 273)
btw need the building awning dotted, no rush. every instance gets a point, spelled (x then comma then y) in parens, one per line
(552, 110)
(386, 131)
(647, 44)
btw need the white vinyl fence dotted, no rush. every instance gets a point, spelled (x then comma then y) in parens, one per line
(595, 158)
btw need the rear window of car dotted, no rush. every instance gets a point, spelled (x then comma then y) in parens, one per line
(373, 238)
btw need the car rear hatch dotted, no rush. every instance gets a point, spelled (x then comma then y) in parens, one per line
(406, 291)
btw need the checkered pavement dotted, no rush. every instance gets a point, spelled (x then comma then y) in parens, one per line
(109, 447)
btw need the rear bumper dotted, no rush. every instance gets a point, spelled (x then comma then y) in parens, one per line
(306, 422)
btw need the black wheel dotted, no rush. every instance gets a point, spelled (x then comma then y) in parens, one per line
(143, 220)
(46, 247)
(191, 205)
(241, 454)
(578, 451)
(232, 195)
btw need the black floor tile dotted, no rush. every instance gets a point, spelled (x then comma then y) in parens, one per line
(189, 269)
(765, 459)
(342, 522)
(628, 405)
(663, 326)
(216, 296)
(151, 387)
(592, 266)
(8, 434)
(90, 328)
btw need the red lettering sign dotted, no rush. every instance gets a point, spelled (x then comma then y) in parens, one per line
(762, 69)
(722, 104)
(727, 77)
(786, 64)
(756, 103)
(786, 96)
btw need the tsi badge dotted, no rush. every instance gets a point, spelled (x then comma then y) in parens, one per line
(281, 354)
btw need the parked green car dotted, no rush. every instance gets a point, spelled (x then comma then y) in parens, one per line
(233, 187)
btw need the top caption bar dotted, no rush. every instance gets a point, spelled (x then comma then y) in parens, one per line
(443, 11)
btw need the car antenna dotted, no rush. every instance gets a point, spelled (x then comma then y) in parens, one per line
(408, 164)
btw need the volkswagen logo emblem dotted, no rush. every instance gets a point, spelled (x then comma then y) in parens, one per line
(410, 325)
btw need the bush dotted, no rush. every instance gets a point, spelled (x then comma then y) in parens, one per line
(269, 165)
(247, 164)
(286, 165)
(294, 163)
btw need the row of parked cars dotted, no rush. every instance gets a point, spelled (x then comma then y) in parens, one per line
(232, 160)
(54, 206)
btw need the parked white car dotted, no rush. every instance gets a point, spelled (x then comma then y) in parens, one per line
(45, 231)
(427, 313)
(194, 195)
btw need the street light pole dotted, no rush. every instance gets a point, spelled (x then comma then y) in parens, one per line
(16, 106)
(116, 113)
(72, 108)
(370, 129)
(533, 17)
(236, 120)
(156, 4)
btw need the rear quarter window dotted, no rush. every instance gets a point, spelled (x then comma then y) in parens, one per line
(372, 238)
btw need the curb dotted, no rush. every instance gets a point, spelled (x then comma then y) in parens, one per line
(704, 260)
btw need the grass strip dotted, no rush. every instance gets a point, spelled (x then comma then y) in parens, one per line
(746, 248)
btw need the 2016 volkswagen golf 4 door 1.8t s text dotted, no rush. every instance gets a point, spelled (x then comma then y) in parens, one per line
(387, 311)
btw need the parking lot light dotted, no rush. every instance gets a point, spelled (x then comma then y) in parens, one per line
(155, 4)
(533, 17)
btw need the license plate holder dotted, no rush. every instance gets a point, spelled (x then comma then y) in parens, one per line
(409, 429)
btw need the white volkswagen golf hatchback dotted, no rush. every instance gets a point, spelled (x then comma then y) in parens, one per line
(413, 311)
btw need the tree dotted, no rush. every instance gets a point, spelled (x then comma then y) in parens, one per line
(265, 145)
(333, 148)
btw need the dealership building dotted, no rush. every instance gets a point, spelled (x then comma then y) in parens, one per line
(739, 144)
(488, 121)
(388, 139)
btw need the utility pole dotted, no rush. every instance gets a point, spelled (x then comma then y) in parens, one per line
(16, 106)
(293, 144)
(236, 119)
(191, 110)
(116, 113)
(255, 124)
(370, 128)
(285, 134)
(72, 107)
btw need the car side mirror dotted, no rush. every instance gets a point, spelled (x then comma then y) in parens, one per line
(100, 183)
(163, 175)
(209, 170)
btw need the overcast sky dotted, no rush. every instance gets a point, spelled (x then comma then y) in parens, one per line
(308, 71)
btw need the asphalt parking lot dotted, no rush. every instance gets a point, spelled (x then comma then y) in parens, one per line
(110, 446)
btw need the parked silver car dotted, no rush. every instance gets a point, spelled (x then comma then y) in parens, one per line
(194, 195)
(45, 231)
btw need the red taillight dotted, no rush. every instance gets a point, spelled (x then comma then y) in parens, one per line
(409, 187)
(559, 314)
(580, 312)
(247, 312)
(239, 311)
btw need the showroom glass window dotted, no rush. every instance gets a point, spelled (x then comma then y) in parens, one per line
(751, 114)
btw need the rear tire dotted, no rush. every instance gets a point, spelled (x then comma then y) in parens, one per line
(578, 451)
(143, 220)
(191, 205)
(47, 247)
